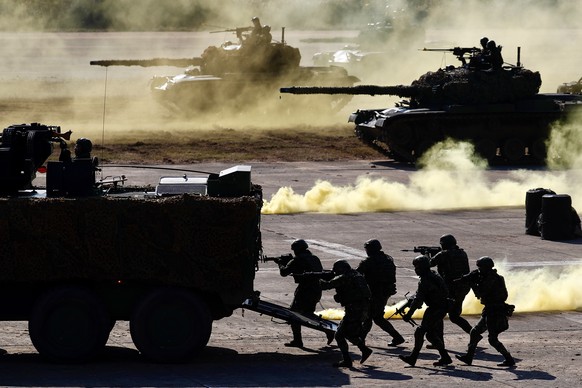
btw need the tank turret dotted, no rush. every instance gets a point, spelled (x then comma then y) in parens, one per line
(495, 106)
(448, 87)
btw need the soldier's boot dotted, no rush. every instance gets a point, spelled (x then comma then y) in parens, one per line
(410, 359)
(366, 352)
(445, 358)
(467, 358)
(346, 361)
(509, 361)
(330, 336)
(385, 325)
(297, 341)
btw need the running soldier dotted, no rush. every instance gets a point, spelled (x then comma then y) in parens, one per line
(380, 273)
(308, 292)
(353, 294)
(490, 288)
(432, 291)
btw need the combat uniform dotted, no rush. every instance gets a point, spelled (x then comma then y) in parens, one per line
(452, 264)
(380, 273)
(307, 293)
(490, 288)
(433, 292)
(353, 294)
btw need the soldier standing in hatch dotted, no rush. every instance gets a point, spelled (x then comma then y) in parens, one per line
(490, 288)
(353, 294)
(380, 273)
(452, 263)
(432, 291)
(308, 292)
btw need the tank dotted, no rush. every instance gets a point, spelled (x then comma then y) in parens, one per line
(499, 110)
(238, 76)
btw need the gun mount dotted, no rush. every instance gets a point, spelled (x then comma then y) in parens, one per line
(232, 75)
(501, 112)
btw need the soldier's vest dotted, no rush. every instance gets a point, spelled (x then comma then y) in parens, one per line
(355, 289)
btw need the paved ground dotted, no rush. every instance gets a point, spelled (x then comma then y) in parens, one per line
(246, 349)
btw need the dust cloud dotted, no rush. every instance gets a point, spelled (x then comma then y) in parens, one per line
(452, 178)
(542, 289)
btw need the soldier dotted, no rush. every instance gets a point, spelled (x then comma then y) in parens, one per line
(380, 273)
(432, 291)
(308, 292)
(452, 263)
(490, 288)
(494, 57)
(353, 294)
(83, 147)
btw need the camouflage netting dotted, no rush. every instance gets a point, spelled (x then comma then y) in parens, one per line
(202, 242)
(465, 86)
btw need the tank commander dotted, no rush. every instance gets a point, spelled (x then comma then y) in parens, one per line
(493, 57)
(308, 292)
(380, 274)
(476, 62)
(259, 34)
(452, 263)
(83, 148)
(433, 292)
(353, 294)
(489, 287)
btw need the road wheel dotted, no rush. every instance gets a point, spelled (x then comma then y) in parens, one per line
(513, 149)
(487, 149)
(538, 149)
(69, 324)
(170, 325)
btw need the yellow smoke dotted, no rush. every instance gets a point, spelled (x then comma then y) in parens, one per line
(536, 290)
(453, 178)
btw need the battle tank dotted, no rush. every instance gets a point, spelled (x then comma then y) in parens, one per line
(574, 87)
(238, 76)
(498, 110)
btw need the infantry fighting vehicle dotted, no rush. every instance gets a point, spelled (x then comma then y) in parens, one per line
(239, 76)
(499, 110)
(82, 253)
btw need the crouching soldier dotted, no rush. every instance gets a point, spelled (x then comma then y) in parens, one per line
(353, 294)
(490, 288)
(432, 291)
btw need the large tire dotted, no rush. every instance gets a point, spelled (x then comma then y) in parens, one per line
(170, 325)
(69, 324)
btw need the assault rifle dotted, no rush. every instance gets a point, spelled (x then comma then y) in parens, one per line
(280, 260)
(459, 52)
(322, 275)
(430, 251)
(400, 310)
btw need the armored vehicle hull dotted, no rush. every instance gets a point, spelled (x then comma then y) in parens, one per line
(503, 133)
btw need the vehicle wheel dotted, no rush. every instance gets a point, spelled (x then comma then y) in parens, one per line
(487, 148)
(538, 149)
(513, 149)
(69, 324)
(170, 325)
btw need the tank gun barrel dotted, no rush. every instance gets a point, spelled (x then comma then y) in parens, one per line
(176, 62)
(372, 90)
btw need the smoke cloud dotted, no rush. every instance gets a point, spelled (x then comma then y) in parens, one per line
(452, 178)
(537, 290)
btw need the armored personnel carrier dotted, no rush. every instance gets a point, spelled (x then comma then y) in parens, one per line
(499, 110)
(238, 76)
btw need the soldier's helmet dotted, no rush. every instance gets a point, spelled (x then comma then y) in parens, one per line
(421, 263)
(448, 241)
(484, 41)
(491, 45)
(299, 245)
(341, 267)
(373, 246)
(485, 262)
(83, 148)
